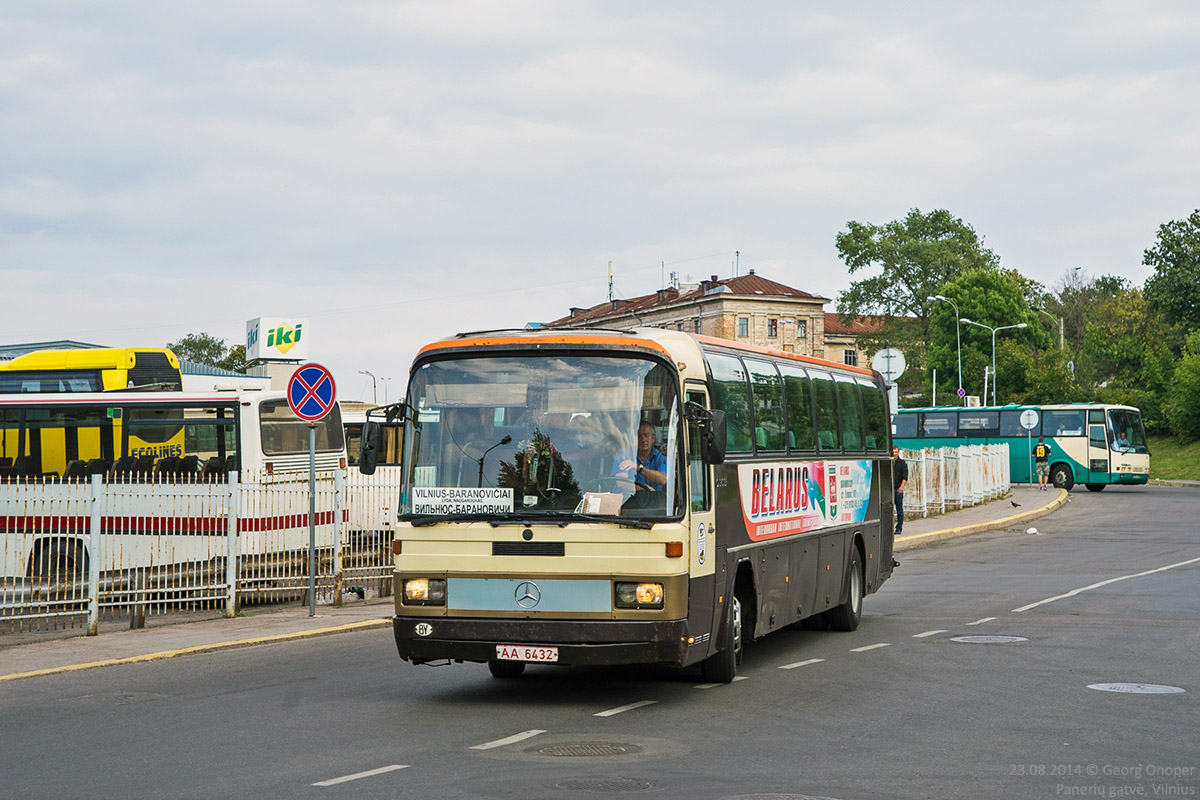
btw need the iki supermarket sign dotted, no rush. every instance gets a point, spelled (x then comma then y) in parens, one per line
(274, 338)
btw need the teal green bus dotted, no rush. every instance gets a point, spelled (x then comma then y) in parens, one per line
(1093, 444)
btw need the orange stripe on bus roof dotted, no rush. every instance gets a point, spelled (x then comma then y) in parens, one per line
(753, 348)
(492, 341)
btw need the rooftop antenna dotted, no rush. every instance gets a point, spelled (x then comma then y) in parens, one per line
(737, 255)
(610, 286)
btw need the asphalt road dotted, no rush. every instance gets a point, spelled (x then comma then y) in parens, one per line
(1106, 592)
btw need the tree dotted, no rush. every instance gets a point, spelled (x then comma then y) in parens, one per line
(1182, 408)
(235, 360)
(1174, 288)
(200, 348)
(990, 297)
(917, 257)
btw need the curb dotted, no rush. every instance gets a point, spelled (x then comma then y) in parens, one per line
(921, 539)
(204, 648)
(1168, 482)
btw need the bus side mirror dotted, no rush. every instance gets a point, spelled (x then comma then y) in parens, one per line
(714, 437)
(368, 448)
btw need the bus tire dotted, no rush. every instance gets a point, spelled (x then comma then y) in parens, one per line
(847, 616)
(722, 666)
(1061, 477)
(1095, 487)
(506, 669)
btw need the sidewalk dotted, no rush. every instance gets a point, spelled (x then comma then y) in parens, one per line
(275, 624)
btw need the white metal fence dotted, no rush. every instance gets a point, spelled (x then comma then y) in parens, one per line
(942, 479)
(77, 552)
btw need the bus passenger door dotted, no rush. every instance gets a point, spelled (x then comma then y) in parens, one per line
(1098, 452)
(702, 609)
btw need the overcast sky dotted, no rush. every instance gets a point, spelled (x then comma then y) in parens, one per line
(395, 172)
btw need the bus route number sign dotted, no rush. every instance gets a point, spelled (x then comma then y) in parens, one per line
(311, 392)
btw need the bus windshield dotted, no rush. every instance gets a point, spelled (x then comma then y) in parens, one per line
(543, 436)
(1128, 435)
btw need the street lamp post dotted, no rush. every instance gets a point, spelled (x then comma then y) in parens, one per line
(994, 332)
(1060, 324)
(374, 386)
(957, 339)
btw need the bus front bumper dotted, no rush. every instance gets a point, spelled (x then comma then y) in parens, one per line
(579, 643)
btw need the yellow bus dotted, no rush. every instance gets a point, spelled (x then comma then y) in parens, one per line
(632, 497)
(100, 369)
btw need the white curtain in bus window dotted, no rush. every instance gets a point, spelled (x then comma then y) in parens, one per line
(978, 423)
(1062, 422)
(943, 424)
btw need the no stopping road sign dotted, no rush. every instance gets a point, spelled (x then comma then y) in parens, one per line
(311, 392)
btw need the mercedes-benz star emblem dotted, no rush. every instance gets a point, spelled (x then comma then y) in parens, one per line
(528, 594)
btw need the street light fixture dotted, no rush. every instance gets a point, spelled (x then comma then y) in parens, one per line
(374, 386)
(958, 339)
(994, 332)
(1060, 324)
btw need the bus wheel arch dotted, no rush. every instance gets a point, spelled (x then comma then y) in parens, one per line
(1061, 476)
(57, 557)
(736, 626)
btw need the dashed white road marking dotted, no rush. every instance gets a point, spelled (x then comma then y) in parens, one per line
(981, 621)
(622, 709)
(356, 776)
(715, 685)
(802, 663)
(1074, 592)
(870, 647)
(516, 737)
(927, 634)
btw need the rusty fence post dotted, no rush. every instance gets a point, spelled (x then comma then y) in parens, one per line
(231, 547)
(95, 555)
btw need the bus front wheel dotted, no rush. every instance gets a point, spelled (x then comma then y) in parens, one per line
(1061, 477)
(1095, 487)
(721, 667)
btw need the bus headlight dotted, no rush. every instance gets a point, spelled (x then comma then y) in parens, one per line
(425, 592)
(639, 595)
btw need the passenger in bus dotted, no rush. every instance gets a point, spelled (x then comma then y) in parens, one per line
(650, 468)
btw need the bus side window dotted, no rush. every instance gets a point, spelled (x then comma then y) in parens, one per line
(875, 416)
(732, 397)
(852, 415)
(698, 471)
(767, 390)
(798, 393)
(828, 429)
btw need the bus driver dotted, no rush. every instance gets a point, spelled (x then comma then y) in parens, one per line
(651, 464)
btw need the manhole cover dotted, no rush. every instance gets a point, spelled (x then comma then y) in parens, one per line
(587, 749)
(988, 639)
(607, 785)
(1135, 688)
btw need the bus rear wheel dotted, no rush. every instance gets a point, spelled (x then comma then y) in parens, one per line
(847, 616)
(722, 666)
(1061, 477)
(1095, 487)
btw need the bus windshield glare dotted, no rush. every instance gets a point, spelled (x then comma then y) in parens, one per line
(544, 435)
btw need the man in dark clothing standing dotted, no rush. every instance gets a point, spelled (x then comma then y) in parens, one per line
(1041, 455)
(899, 482)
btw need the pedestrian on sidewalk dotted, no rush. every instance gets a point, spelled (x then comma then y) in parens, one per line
(899, 482)
(1041, 452)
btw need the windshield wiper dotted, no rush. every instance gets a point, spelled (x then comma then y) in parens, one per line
(496, 520)
(564, 518)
